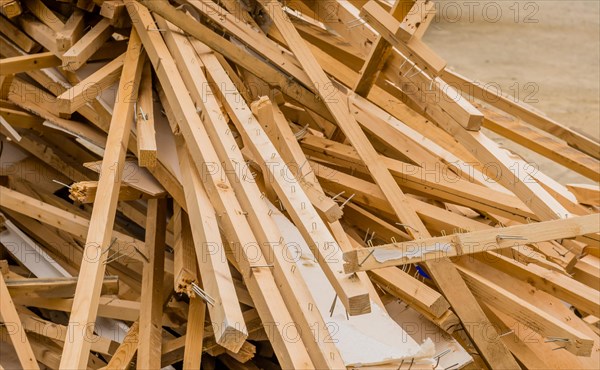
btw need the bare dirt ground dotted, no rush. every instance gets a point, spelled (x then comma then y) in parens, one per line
(546, 53)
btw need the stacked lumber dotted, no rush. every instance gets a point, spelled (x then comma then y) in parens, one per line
(262, 185)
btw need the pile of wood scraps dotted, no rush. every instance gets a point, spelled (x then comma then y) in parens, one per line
(254, 184)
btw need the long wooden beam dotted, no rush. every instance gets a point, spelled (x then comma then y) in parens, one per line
(151, 301)
(397, 254)
(85, 303)
(28, 62)
(10, 318)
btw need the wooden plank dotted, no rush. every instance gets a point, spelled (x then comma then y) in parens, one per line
(516, 306)
(195, 334)
(326, 249)
(552, 282)
(397, 254)
(91, 87)
(18, 37)
(259, 280)
(225, 313)
(28, 62)
(44, 14)
(123, 356)
(151, 301)
(67, 221)
(509, 105)
(542, 143)
(146, 135)
(55, 287)
(16, 331)
(38, 31)
(98, 239)
(71, 32)
(10, 9)
(87, 45)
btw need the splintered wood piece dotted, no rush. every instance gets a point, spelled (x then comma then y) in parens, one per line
(85, 192)
(85, 303)
(15, 329)
(257, 275)
(397, 254)
(28, 62)
(91, 87)
(151, 301)
(146, 135)
(87, 45)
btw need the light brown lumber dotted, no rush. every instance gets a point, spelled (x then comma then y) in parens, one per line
(515, 305)
(543, 143)
(10, 9)
(18, 37)
(586, 194)
(396, 254)
(44, 14)
(38, 31)
(433, 180)
(28, 62)
(146, 135)
(351, 292)
(478, 90)
(85, 192)
(66, 221)
(116, 12)
(184, 255)
(103, 214)
(564, 287)
(274, 76)
(55, 287)
(8, 130)
(91, 87)
(276, 126)
(71, 32)
(194, 335)
(34, 324)
(299, 302)
(87, 45)
(443, 272)
(122, 357)
(402, 285)
(259, 280)
(225, 313)
(16, 331)
(151, 301)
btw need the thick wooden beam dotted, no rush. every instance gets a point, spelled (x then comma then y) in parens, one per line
(397, 254)
(71, 32)
(225, 313)
(146, 135)
(103, 214)
(28, 62)
(91, 87)
(151, 301)
(44, 14)
(194, 336)
(16, 331)
(87, 45)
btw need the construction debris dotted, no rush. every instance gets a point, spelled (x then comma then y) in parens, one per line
(251, 184)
